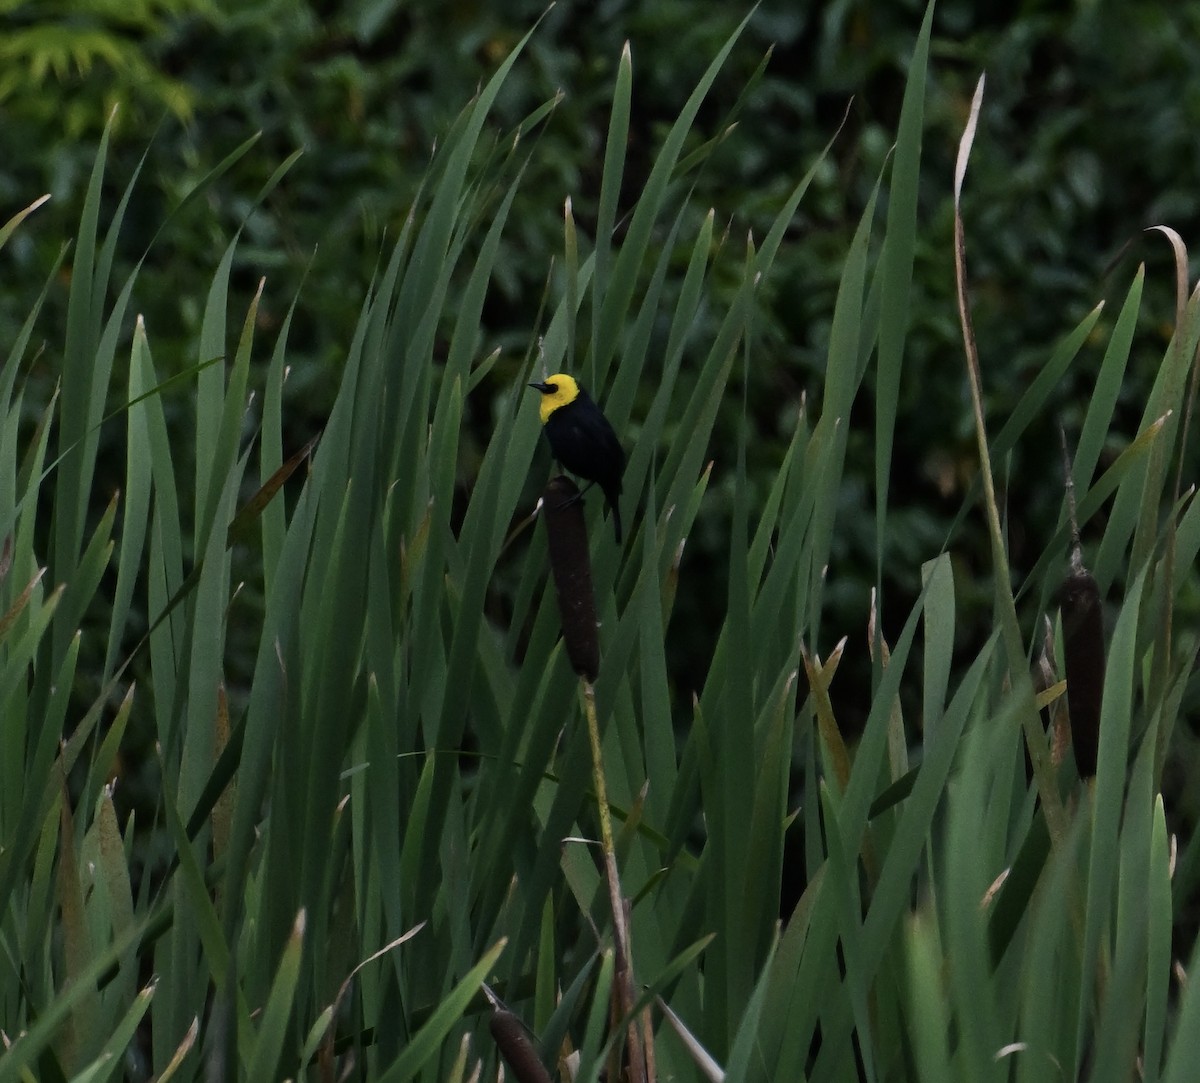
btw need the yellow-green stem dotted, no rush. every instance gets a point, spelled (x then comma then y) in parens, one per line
(615, 896)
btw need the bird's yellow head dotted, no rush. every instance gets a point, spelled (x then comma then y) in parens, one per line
(558, 390)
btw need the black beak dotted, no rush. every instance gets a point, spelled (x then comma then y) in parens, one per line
(545, 389)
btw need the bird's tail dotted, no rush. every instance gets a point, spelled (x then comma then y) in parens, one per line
(616, 510)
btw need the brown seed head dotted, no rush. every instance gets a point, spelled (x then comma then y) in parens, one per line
(1083, 660)
(517, 1048)
(571, 564)
(1083, 642)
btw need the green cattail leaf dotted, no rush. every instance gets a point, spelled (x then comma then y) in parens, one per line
(426, 1042)
(272, 1030)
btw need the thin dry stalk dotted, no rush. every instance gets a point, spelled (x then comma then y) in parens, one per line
(1035, 739)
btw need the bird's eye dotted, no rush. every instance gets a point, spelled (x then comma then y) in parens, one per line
(552, 388)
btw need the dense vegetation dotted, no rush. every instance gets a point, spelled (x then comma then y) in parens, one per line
(313, 710)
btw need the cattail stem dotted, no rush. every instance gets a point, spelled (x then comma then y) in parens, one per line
(570, 563)
(1035, 738)
(624, 961)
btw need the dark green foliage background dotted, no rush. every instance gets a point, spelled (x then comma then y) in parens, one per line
(1087, 138)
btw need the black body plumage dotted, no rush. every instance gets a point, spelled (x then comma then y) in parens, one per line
(583, 441)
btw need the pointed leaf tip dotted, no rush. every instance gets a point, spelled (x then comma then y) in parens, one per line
(968, 137)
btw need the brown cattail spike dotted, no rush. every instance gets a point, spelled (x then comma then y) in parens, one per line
(518, 1049)
(571, 563)
(1083, 644)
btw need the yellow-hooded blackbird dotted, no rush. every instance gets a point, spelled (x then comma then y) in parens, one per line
(582, 439)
